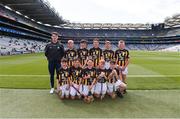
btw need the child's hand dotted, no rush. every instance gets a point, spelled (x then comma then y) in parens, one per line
(90, 87)
(88, 76)
(102, 74)
(114, 71)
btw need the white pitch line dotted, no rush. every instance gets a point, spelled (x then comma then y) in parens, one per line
(127, 76)
(153, 75)
(24, 75)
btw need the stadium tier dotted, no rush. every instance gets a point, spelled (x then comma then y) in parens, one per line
(11, 45)
(23, 28)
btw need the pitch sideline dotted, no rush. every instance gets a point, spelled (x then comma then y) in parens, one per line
(6, 75)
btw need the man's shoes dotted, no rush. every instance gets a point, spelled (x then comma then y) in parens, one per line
(51, 91)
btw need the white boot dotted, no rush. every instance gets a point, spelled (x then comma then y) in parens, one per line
(51, 91)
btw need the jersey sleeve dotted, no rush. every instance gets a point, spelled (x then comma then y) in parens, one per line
(127, 55)
(58, 74)
(65, 54)
(101, 52)
(83, 73)
(80, 74)
(117, 71)
(115, 54)
(46, 50)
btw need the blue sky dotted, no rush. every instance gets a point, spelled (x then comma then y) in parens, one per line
(116, 11)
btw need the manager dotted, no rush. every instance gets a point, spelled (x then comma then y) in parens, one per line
(54, 52)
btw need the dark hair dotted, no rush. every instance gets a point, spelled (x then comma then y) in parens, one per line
(112, 62)
(83, 41)
(55, 33)
(121, 41)
(107, 41)
(76, 59)
(95, 39)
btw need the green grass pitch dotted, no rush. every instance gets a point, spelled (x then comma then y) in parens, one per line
(153, 89)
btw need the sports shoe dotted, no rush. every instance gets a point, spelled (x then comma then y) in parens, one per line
(124, 92)
(51, 91)
(119, 94)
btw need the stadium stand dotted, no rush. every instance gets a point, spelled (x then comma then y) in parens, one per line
(11, 45)
(24, 31)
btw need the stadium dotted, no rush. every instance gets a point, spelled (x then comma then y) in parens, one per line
(154, 69)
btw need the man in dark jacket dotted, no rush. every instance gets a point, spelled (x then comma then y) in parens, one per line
(54, 51)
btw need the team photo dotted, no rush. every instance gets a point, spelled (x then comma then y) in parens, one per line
(89, 59)
(87, 73)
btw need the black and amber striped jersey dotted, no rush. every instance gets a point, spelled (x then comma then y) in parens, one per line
(92, 73)
(76, 74)
(70, 55)
(96, 54)
(108, 72)
(108, 55)
(63, 76)
(121, 56)
(101, 79)
(82, 55)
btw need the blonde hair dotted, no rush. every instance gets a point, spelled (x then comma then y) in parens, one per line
(70, 41)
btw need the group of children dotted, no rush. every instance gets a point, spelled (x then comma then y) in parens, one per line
(88, 74)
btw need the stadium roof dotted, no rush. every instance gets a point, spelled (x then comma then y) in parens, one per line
(41, 12)
(173, 21)
(38, 10)
(105, 26)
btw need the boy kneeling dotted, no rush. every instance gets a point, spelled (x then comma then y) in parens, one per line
(101, 86)
(63, 80)
(89, 79)
(116, 76)
(75, 80)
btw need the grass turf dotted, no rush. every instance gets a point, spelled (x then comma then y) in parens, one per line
(149, 64)
(24, 103)
(147, 70)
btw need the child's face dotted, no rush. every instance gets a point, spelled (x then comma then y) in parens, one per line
(64, 64)
(83, 45)
(101, 64)
(112, 65)
(96, 44)
(121, 45)
(70, 45)
(90, 63)
(76, 63)
(107, 45)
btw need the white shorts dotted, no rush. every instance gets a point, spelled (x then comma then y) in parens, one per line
(100, 88)
(74, 92)
(107, 65)
(119, 83)
(125, 72)
(110, 87)
(85, 90)
(65, 90)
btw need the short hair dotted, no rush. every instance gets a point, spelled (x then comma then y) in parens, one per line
(95, 39)
(83, 41)
(55, 33)
(76, 59)
(63, 60)
(70, 41)
(121, 41)
(107, 41)
(112, 62)
(102, 61)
